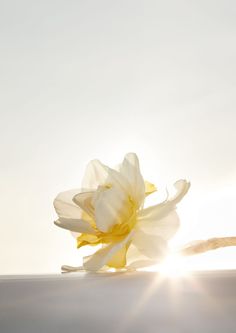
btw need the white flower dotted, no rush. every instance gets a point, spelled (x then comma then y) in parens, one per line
(109, 211)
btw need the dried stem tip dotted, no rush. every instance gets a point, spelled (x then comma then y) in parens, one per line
(202, 246)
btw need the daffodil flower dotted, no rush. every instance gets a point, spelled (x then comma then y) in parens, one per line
(109, 211)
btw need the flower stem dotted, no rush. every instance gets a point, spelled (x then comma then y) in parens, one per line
(201, 246)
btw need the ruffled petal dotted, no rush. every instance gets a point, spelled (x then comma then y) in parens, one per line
(100, 258)
(182, 187)
(65, 207)
(75, 225)
(151, 246)
(131, 172)
(157, 212)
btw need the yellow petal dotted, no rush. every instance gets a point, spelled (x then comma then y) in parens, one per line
(104, 255)
(149, 188)
(87, 239)
(119, 258)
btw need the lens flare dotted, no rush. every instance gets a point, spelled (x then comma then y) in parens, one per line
(173, 266)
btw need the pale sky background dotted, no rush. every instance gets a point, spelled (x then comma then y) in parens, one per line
(96, 79)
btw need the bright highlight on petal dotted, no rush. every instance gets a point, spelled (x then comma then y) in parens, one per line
(108, 212)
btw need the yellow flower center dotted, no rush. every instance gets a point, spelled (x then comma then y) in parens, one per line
(115, 234)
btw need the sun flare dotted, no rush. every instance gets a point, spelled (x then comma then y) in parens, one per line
(173, 266)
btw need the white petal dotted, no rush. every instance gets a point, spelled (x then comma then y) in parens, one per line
(98, 174)
(95, 174)
(141, 264)
(135, 259)
(84, 201)
(182, 187)
(161, 210)
(67, 269)
(111, 207)
(102, 256)
(166, 227)
(116, 179)
(65, 207)
(75, 225)
(131, 172)
(151, 246)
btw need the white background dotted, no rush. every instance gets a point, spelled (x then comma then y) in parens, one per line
(96, 79)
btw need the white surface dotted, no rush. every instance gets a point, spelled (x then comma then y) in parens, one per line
(137, 303)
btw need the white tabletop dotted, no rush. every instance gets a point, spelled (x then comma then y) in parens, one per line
(130, 302)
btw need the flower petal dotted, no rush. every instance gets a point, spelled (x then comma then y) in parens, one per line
(98, 174)
(166, 227)
(102, 256)
(87, 239)
(116, 179)
(111, 207)
(151, 246)
(131, 172)
(182, 187)
(84, 201)
(67, 268)
(135, 259)
(118, 260)
(65, 207)
(161, 210)
(149, 188)
(95, 174)
(75, 225)
(141, 264)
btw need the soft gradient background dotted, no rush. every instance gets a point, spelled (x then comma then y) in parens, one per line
(96, 79)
